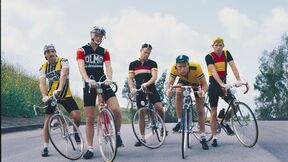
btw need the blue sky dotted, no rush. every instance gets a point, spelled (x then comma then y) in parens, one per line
(173, 28)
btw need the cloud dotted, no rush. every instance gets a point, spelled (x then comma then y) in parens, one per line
(264, 31)
(25, 22)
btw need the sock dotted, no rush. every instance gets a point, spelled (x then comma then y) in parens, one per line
(46, 145)
(143, 137)
(203, 135)
(118, 133)
(214, 137)
(90, 148)
(179, 120)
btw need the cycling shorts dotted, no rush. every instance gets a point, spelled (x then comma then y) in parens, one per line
(68, 103)
(90, 98)
(215, 91)
(141, 100)
(185, 83)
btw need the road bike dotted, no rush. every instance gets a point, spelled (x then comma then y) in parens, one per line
(148, 123)
(189, 118)
(243, 120)
(63, 132)
(106, 124)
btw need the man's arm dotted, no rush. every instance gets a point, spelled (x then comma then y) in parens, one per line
(63, 77)
(168, 86)
(234, 70)
(154, 74)
(43, 87)
(131, 77)
(82, 69)
(108, 68)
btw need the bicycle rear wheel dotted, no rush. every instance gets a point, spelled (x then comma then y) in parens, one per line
(65, 136)
(245, 125)
(148, 123)
(107, 135)
(196, 128)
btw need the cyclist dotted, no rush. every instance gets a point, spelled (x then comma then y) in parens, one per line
(91, 58)
(144, 71)
(189, 73)
(56, 71)
(217, 69)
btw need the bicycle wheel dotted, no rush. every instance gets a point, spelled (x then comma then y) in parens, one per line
(185, 132)
(245, 125)
(107, 135)
(196, 128)
(65, 136)
(148, 124)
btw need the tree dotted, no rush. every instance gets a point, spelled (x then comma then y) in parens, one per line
(272, 83)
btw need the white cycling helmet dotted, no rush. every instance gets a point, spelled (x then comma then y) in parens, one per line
(99, 31)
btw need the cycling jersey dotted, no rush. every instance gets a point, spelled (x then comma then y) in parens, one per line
(93, 60)
(195, 73)
(52, 73)
(219, 62)
(142, 71)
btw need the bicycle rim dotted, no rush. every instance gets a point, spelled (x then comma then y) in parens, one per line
(62, 135)
(196, 128)
(245, 125)
(147, 122)
(107, 135)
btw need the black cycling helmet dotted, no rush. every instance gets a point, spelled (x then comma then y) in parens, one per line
(48, 47)
(182, 58)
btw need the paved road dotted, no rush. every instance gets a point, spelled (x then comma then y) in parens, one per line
(272, 146)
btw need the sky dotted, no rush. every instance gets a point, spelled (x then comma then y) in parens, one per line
(171, 27)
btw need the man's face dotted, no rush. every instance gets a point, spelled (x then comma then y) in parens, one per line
(182, 68)
(50, 55)
(96, 37)
(218, 47)
(145, 53)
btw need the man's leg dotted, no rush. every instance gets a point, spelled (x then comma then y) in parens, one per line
(178, 106)
(45, 135)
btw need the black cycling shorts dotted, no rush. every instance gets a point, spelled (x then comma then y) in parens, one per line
(90, 98)
(215, 91)
(68, 103)
(185, 83)
(153, 98)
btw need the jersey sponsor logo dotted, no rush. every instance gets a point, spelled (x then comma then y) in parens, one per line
(93, 60)
(53, 75)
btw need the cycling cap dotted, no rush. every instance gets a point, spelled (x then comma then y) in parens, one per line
(182, 58)
(49, 47)
(98, 30)
(146, 45)
(217, 40)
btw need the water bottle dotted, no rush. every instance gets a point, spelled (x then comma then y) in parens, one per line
(221, 113)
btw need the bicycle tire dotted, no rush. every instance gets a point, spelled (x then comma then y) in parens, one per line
(107, 135)
(153, 123)
(60, 132)
(185, 132)
(195, 129)
(245, 125)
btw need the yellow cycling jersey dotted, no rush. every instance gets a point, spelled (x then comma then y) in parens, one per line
(52, 73)
(195, 73)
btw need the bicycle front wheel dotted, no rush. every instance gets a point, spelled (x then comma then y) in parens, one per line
(245, 125)
(148, 124)
(107, 135)
(185, 132)
(65, 136)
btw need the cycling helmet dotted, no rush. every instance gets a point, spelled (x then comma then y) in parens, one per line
(49, 47)
(99, 31)
(217, 40)
(182, 58)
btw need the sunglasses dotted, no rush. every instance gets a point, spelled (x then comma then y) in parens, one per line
(218, 45)
(51, 51)
(146, 45)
